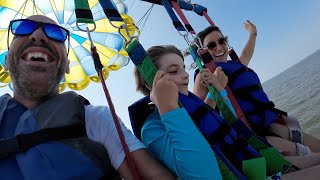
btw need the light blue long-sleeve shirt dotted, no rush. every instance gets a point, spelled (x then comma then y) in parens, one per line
(176, 141)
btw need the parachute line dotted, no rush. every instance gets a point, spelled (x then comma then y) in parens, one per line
(146, 17)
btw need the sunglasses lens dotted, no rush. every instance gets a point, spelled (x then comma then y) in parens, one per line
(55, 32)
(211, 45)
(222, 40)
(23, 27)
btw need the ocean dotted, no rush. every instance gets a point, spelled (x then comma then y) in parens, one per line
(297, 91)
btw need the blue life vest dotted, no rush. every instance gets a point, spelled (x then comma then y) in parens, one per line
(253, 101)
(79, 158)
(225, 141)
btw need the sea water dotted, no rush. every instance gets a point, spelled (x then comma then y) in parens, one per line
(297, 91)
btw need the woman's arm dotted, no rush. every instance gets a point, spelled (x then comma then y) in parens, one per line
(248, 50)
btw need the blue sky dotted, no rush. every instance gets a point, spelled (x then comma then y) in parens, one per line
(288, 31)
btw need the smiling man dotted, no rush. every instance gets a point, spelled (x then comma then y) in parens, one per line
(44, 135)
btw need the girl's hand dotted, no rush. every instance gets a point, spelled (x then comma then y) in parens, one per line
(164, 93)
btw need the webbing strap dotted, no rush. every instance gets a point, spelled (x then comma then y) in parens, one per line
(83, 12)
(226, 173)
(113, 15)
(199, 9)
(22, 142)
(233, 172)
(154, 1)
(226, 112)
(178, 10)
(176, 23)
(208, 61)
(143, 62)
(255, 168)
(208, 18)
(198, 114)
(276, 163)
(233, 55)
(185, 5)
(110, 10)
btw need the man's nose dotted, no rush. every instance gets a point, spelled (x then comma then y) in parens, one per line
(38, 36)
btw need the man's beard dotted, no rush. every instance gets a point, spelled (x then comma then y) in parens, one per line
(25, 87)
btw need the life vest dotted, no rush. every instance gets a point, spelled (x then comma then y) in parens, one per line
(253, 101)
(225, 141)
(77, 157)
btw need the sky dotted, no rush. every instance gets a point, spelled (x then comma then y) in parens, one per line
(288, 32)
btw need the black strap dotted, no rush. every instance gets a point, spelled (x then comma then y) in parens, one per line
(245, 93)
(219, 134)
(246, 90)
(22, 142)
(200, 112)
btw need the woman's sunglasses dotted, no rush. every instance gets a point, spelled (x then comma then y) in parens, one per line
(213, 44)
(24, 27)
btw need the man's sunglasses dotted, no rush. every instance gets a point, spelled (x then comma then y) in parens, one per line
(22, 27)
(213, 44)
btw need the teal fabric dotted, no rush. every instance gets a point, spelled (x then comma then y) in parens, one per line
(176, 141)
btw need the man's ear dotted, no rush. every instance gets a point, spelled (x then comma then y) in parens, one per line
(68, 68)
(6, 64)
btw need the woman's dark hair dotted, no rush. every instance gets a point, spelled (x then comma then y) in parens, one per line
(207, 31)
(155, 53)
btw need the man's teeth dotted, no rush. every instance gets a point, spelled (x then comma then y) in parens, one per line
(37, 56)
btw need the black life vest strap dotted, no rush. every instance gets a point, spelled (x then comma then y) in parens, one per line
(219, 135)
(246, 90)
(260, 108)
(22, 142)
(245, 93)
(200, 112)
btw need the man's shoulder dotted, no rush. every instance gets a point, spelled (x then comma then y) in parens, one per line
(4, 99)
(7, 96)
(93, 111)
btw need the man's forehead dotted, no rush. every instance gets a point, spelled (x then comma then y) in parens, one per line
(40, 18)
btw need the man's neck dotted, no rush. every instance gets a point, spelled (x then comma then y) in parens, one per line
(26, 102)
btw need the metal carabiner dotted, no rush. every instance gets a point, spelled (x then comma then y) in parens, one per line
(85, 30)
(129, 38)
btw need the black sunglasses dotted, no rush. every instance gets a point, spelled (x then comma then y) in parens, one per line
(213, 44)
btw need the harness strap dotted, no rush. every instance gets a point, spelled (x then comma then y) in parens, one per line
(83, 12)
(143, 62)
(113, 15)
(22, 142)
(222, 131)
(178, 10)
(208, 61)
(198, 114)
(185, 5)
(176, 23)
(233, 55)
(110, 10)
